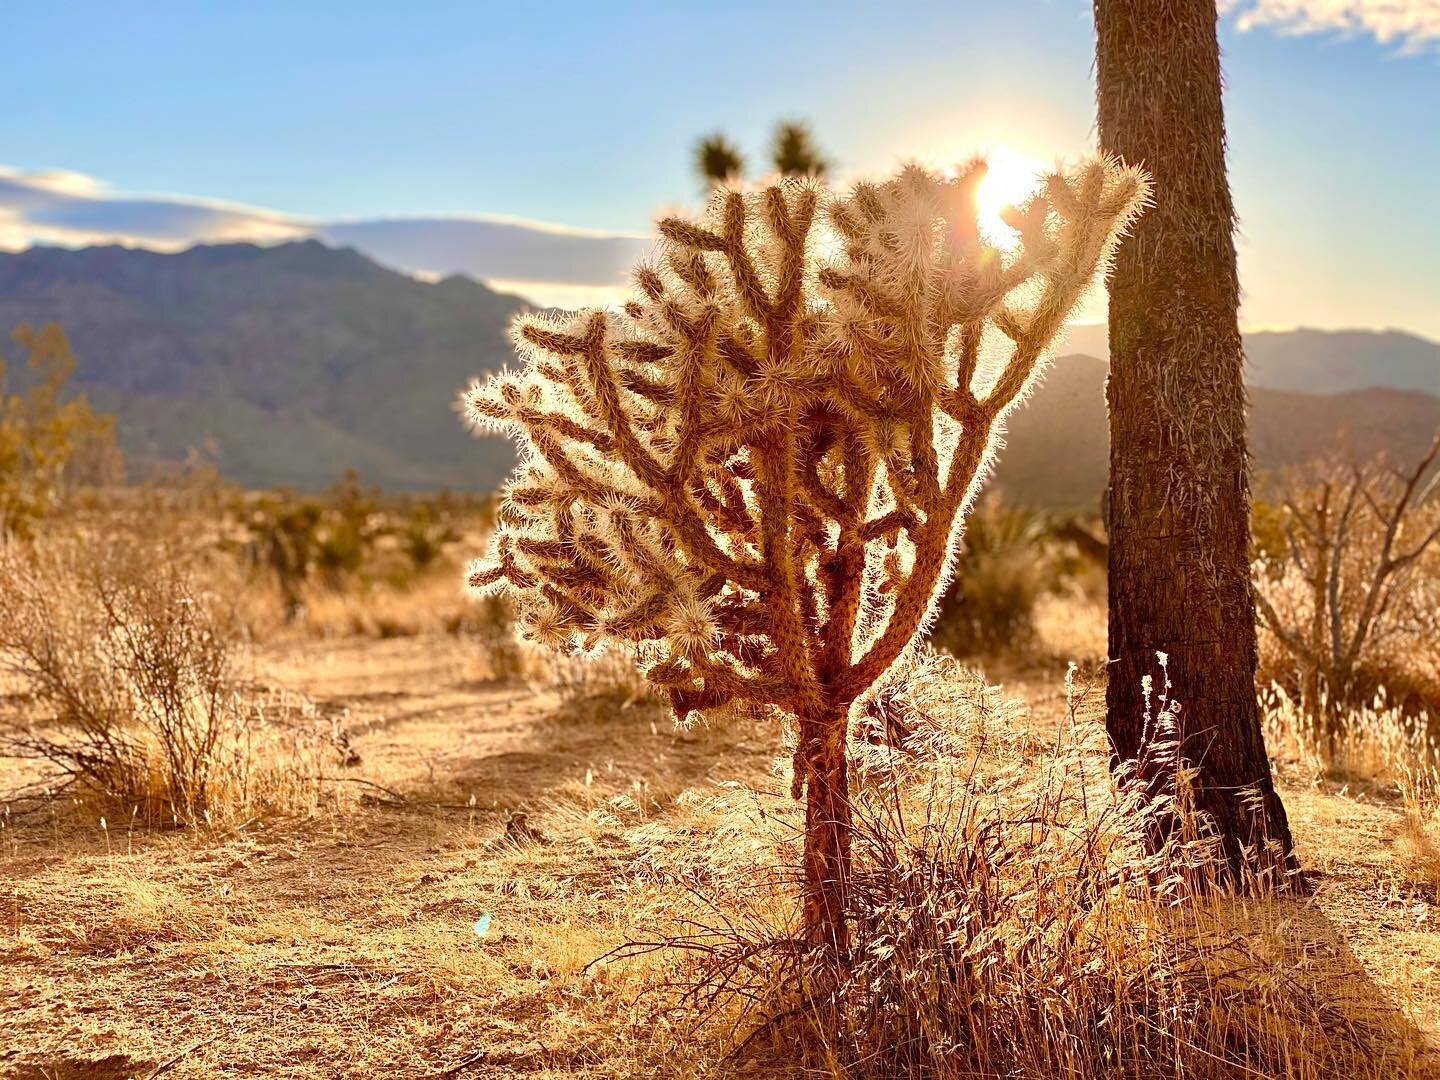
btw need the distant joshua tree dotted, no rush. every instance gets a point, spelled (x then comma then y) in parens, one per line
(793, 152)
(755, 473)
(718, 160)
(1179, 488)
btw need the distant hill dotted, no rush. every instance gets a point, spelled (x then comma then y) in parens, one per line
(1317, 361)
(293, 362)
(1057, 452)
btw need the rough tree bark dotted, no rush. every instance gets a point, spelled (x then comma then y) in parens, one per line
(1179, 489)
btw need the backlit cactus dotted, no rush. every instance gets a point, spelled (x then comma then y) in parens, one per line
(755, 473)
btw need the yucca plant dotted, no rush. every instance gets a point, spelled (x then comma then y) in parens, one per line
(754, 475)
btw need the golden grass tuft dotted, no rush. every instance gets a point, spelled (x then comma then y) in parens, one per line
(1006, 920)
(1419, 786)
(1379, 742)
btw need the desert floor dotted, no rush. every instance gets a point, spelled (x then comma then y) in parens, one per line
(345, 943)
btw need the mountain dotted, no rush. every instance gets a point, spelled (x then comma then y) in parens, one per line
(1057, 447)
(288, 363)
(1334, 361)
(291, 363)
(1316, 361)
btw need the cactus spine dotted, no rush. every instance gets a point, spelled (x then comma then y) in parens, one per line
(756, 472)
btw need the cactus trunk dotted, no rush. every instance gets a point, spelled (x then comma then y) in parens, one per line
(827, 831)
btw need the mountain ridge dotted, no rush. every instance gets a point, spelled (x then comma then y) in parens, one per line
(275, 341)
(1315, 361)
(291, 362)
(1057, 444)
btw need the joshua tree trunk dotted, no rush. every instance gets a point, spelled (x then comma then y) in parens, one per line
(827, 831)
(1179, 490)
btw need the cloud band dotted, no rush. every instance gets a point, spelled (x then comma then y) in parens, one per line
(548, 261)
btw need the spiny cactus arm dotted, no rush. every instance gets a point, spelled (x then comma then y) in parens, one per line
(888, 524)
(1092, 211)
(779, 480)
(664, 502)
(933, 547)
(824, 501)
(960, 402)
(1092, 207)
(591, 372)
(924, 460)
(689, 675)
(775, 493)
(730, 241)
(784, 462)
(842, 570)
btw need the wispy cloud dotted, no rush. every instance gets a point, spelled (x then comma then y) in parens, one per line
(491, 248)
(551, 264)
(56, 206)
(1413, 25)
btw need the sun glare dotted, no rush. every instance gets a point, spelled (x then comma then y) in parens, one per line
(1012, 177)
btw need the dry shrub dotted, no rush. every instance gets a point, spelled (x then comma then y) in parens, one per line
(431, 604)
(1015, 569)
(1348, 584)
(124, 684)
(1007, 919)
(490, 624)
(52, 443)
(425, 603)
(609, 680)
(1004, 567)
(608, 677)
(349, 562)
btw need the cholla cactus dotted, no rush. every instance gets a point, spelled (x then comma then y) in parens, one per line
(755, 473)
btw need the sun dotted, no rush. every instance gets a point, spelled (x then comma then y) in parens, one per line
(1012, 177)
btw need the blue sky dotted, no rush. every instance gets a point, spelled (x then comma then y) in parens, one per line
(330, 117)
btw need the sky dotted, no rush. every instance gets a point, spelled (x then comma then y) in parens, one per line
(531, 145)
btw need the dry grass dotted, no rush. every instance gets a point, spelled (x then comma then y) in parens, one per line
(1008, 921)
(344, 943)
(123, 683)
(430, 602)
(1381, 751)
(1377, 744)
(1420, 843)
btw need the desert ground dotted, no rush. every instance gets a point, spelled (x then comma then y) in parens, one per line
(344, 942)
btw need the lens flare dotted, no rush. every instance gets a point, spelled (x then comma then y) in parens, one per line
(1010, 179)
